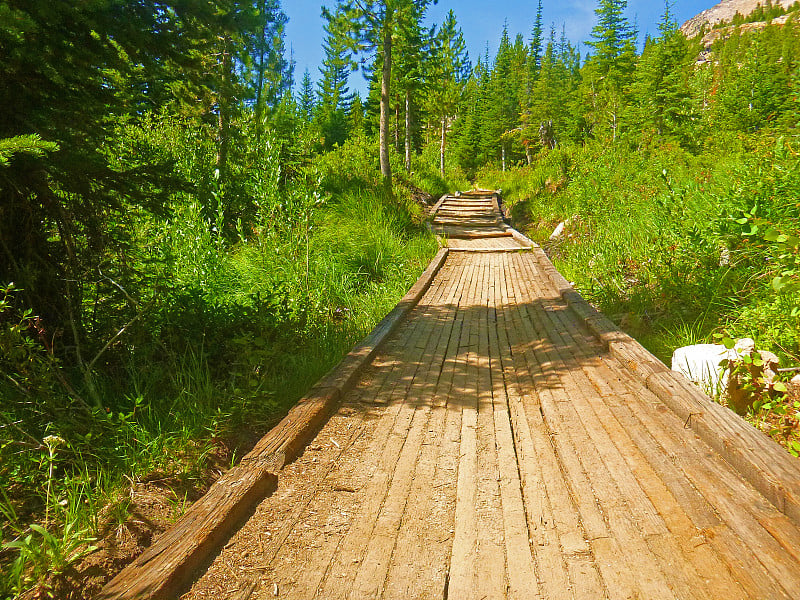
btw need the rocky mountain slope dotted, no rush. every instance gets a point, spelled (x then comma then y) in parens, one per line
(724, 12)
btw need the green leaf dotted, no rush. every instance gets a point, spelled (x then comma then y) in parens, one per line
(779, 283)
(772, 235)
(779, 386)
(40, 530)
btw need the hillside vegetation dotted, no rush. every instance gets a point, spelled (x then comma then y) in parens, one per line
(188, 240)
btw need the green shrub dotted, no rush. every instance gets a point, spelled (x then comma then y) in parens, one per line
(664, 241)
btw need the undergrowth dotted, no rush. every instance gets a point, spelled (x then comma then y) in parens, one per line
(673, 246)
(230, 328)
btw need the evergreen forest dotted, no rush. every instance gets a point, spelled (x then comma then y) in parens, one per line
(192, 233)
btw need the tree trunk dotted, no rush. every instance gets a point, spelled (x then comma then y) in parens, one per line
(408, 131)
(224, 108)
(386, 77)
(442, 145)
(261, 66)
(503, 152)
(397, 126)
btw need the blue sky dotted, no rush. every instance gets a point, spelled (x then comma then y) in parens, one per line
(482, 23)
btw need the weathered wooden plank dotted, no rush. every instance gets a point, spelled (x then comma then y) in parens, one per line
(588, 477)
(522, 581)
(697, 570)
(491, 576)
(374, 568)
(463, 559)
(546, 512)
(416, 567)
(489, 250)
(438, 204)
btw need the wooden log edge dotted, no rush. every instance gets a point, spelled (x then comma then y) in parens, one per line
(438, 205)
(758, 458)
(168, 565)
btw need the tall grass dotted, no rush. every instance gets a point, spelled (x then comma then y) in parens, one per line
(660, 239)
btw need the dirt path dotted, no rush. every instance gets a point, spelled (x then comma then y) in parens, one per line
(494, 449)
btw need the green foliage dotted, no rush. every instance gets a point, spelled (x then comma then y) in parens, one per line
(334, 98)
(24, 144)
(226, 309)
(41, 553)
(672, 241)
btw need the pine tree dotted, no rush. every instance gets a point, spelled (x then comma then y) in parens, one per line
(502, 122)
(450, 69)
(333, 94)
(306, 100)
(373, 27)
(613, 41)
(611, 65)
(411, 61)
(355, 117)
(271, 74)
(661, 89)
(537, 44)
(532, 74)
(467, 128)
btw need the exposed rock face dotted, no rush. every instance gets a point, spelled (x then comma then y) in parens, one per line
(725, 32)
(724, 12)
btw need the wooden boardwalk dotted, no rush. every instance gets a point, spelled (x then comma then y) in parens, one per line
(494, 448)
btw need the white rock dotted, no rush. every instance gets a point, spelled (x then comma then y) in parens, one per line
(744, 346)
(700, 364)
(559, 231)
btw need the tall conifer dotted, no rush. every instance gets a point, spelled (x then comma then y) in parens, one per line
(373, 27)
(450, 69)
